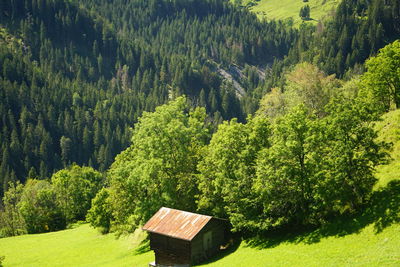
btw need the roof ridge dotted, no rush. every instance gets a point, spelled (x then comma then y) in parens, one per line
(176, 223)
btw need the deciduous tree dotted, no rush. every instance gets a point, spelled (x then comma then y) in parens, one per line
(38, 207)
(75, 188)
(160, 167)
(11, 220)
(381, 82)
(228, 172)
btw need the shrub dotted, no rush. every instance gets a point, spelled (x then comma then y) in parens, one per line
(39, 208)
(99, 216)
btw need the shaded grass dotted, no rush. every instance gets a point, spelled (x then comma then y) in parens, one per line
(143, 247)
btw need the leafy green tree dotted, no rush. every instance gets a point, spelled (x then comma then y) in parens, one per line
(381, 82)
(307, 84)
(351, 155)
(38, 207)
(75, 187)
(317, 168)
(286, 172)
(273, 104)
(11, 221)
(159, 169)
(228, 172)
(100, 215)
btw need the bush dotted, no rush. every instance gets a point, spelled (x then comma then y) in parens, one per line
(39, 208)
(99, 216)
(11, 220)
(75, 188)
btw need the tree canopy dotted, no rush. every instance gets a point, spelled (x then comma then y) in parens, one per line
(160, 167)
(382, 79)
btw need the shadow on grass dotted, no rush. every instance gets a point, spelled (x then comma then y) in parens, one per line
(382, 211)
(143, 247)
(232, 247)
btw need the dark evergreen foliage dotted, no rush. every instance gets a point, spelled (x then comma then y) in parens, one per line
(358, 29)
(75, 75)
(305, 12)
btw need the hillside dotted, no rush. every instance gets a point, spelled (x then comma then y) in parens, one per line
(360, 249)
(389, 131)
(74, 78)
(100, 66)
(111, 110)
(370, 238)
(81, 246)
(84, 246)
(286, 9)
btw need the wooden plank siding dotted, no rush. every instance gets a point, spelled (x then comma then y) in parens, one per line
(218, 230)
(172, 245)
(169, 251)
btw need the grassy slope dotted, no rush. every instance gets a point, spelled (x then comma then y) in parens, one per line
(359, 249)
(389, 131)
(284, 9)
(82, 246)
(371, 239)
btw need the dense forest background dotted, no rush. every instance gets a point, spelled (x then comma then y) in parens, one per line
(75, 76)
(78, 80)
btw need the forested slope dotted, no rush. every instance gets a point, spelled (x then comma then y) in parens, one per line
(76, 75)
(356, 31)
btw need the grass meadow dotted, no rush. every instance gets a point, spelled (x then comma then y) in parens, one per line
(284, 9)
(81, 246)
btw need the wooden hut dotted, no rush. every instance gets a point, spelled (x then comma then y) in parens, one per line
(181, 238)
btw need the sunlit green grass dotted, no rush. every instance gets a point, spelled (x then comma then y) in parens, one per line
(82, 246)
(389, 131)
(359, 249)
(284, 9)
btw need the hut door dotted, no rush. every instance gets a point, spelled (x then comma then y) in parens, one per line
(207, 240)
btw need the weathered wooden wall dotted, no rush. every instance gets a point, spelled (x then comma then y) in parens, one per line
(199, 253)
(169, 251)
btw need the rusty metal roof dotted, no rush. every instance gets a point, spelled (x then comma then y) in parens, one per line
(176, 223)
